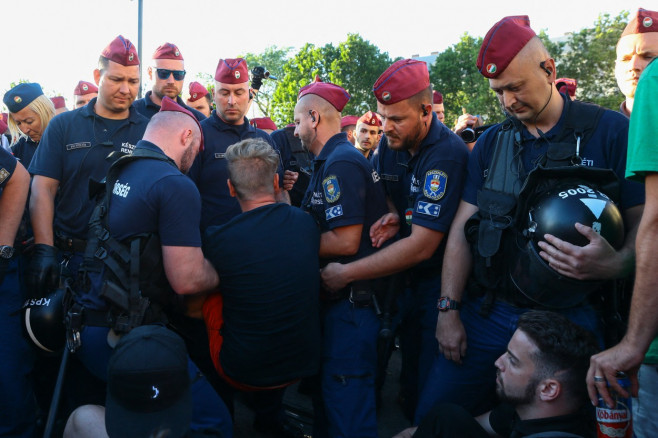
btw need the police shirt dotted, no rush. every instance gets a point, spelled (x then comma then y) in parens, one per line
(426, 187)
(606, 148)
(73, 149)
(146, 107)
(345, 190)
(153, 196)
(210, 170)
(24, 150)
(7, 167)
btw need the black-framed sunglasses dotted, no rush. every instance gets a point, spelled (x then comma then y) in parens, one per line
(163, 73)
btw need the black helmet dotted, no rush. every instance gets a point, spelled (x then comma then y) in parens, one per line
(43, 319)
(556, 213)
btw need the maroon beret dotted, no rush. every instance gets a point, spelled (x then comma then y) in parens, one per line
(168, 104)
(263, 123)
(121, 51)
(3, 127)
(168, 51)
(332, 93)
(502, 43)
(370, 118)
(348, 120)
(437, 97)
(403, 79)
(84, 87)
(197, 91)
(566, 85)
(232, 71)
(4, 117)
(58, 101)
(644, 21)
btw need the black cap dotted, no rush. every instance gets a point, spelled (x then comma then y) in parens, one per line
(148, 386)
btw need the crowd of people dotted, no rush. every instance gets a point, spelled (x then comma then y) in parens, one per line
(189, 253)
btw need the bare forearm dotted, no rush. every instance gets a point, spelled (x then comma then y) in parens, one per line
(340, 242)
(42, 212)
(12, 204)
(457, 264)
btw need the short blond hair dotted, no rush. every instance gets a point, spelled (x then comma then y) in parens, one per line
(252, 164)
(44, 109)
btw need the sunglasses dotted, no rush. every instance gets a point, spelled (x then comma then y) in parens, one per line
(164, 73)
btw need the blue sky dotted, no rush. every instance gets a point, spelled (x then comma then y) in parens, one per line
(57, 42)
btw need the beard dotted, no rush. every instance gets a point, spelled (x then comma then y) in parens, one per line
(407, 142)
(524, 398)
(188, 158)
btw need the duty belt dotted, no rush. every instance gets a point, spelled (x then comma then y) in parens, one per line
(71, 244)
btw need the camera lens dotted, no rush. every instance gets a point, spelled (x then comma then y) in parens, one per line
(468, 135)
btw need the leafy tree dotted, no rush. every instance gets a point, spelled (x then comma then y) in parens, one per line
(297, 72)
(589, 56)
(357, 67)
(273, 60)
(455, 75)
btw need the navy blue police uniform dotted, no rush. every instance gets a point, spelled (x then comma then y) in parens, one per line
(24, 150)
(146, 107)
(17, 404)
(210, 170)
(425, 189)
(345, 190)
(153, 197)
(472, 383)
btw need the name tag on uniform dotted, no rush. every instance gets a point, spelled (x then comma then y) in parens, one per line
(428, 208)
(333, 212)
(387, 177)
(81, 145)
(220, 155)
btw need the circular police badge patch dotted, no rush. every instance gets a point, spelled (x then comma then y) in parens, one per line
(331, 188)
(491, 68)
(18, 99)
(435, 184)
(131, 56)
(194, 96)
(85, 87)
(237, 74)
(176, 53)
(647, 22)
(386, 96)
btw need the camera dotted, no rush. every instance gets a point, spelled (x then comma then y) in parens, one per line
(259, 73)
(470, 134)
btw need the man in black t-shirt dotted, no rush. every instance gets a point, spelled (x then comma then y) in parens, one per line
(540, 382)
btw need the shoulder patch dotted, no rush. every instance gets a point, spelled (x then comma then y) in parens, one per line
(333, 212)
(331, 188)
(4, 174)
(435, 184)
(428, 208)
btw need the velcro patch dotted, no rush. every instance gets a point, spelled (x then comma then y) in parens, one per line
(428, 208)
(333, 212)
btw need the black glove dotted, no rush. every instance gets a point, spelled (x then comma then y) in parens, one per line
(4, 265)
(42, 275)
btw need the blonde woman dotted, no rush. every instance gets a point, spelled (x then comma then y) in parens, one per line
(30, 112)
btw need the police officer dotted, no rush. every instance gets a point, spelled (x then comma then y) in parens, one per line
(74, 148)
(226, 125)
(30, 112)
(296, 161)
(83, 93)
(422, 164)
(168, 75)
(345, 198)
(474, 328)
(264, 123)
(17, 402)
(437, 105)
(636, 47)
(200, 98)
(150, 196)
(367, 133)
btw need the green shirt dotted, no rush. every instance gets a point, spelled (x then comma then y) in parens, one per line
(643, 144)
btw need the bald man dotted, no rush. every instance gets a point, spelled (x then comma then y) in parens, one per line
(476, 330)
(345, 197)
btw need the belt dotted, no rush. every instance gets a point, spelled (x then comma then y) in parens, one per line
(70, 243)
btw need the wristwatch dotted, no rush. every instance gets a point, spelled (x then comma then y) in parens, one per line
(445, 304)
(6, 251)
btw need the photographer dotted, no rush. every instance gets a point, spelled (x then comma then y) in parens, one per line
(464, 128)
